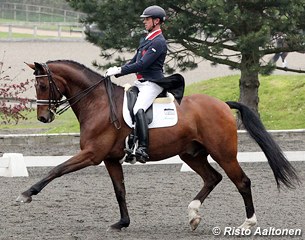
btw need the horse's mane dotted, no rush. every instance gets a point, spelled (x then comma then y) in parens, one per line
(81, 67)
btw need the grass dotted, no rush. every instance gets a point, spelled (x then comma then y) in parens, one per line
(281, 98)
(282, 103)
(31, 36)
(65, 123)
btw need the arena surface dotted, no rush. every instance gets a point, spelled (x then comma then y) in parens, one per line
(82, 205)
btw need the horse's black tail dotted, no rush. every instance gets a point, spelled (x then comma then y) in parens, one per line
(282, 169)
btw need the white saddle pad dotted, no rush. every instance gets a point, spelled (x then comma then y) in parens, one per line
(164, 113)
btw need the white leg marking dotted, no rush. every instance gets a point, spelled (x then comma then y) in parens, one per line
(194, 217)
(249, 222)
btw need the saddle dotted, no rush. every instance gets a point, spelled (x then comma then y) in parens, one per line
(163, 111)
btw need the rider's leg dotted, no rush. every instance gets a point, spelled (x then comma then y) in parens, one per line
(148, 91)
(143, 137)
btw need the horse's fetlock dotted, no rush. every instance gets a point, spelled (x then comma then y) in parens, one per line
(194, 205)
(125, 222)
(33, 191)
(247, 182)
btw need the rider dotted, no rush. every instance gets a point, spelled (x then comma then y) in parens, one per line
(148, 65)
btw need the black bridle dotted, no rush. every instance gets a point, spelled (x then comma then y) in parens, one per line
(54, 102)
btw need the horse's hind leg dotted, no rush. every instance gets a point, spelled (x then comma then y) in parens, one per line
(210, 177)
(243, 184)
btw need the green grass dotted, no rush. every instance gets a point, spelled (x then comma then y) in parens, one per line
(281, 98)
(21, 35)
(30, 36)
(282, 103)
(64, 123)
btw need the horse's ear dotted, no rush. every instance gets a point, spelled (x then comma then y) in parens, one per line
(30, 65)
(38, 67)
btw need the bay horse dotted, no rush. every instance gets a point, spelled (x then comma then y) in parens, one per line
(206, 126)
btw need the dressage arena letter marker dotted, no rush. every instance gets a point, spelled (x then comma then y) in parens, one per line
(13, 165)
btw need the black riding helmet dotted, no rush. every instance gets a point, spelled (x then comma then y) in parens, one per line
(154, 12)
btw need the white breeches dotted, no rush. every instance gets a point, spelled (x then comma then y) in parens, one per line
(148, 91)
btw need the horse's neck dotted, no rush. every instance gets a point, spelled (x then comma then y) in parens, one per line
(97, 98)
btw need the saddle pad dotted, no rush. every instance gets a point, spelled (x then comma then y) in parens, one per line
(164, 114)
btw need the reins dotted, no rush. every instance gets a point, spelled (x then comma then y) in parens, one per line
(75, 99)
(112, 106)
(52, 101)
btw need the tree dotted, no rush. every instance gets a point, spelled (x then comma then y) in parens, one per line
(231, 32)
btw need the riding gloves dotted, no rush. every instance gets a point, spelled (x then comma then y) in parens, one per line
(113, 71)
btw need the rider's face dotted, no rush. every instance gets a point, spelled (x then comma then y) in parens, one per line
(149, 23)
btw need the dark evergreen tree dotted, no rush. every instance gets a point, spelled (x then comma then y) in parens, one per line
(231, 32)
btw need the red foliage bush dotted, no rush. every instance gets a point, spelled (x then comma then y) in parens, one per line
(12, 105)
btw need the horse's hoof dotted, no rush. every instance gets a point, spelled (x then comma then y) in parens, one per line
(23, 199)
(113, 229)
(195, 222)
(119, 226)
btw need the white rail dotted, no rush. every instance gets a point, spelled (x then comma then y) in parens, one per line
(15, 164)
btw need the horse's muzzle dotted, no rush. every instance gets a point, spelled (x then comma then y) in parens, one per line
(49, 117)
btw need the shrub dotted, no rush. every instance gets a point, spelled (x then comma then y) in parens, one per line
(12, 104)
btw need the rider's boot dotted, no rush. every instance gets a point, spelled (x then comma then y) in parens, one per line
(143, 137)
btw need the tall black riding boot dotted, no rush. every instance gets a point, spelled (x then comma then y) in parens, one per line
(142, 134)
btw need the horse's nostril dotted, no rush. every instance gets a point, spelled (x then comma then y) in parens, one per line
(42, 119)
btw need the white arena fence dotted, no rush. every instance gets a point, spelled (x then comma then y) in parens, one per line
(15, 164)
(42, 31)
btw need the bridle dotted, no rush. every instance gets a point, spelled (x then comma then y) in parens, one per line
(54, 102)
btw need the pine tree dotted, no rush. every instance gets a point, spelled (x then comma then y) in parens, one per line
(231, 32)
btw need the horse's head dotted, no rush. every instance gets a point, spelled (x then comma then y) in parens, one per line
(47, 92)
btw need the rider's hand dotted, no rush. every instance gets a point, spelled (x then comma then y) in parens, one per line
(112, 71)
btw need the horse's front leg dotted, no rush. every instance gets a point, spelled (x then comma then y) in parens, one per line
(81, 160)
(115, 171)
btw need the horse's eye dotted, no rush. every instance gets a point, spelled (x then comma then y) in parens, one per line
(42, 86)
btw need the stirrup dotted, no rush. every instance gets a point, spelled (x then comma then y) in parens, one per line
(141, 155)
(130, 156)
